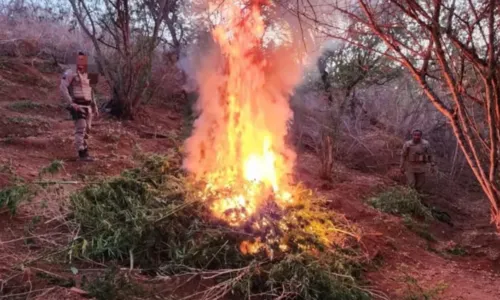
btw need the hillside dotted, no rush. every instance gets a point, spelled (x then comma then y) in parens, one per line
(459, 259)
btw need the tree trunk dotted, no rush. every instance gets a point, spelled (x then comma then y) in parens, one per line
(326, 156)
(489, 185)
(120, 106)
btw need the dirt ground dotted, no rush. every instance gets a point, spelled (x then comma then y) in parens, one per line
(33, 136)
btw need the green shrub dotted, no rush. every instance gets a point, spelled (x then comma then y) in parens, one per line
(422, 230)
(325, 277)
(401, 201)
(116, 215)
(25, 121)
(457, 251)
(53, 168)
(416, 292)
(24, 105)
(10, 197)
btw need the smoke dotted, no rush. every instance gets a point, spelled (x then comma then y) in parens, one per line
(186, 64)
(193, 57)
(316, 63)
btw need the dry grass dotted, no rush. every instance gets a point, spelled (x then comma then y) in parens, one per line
(35, 236)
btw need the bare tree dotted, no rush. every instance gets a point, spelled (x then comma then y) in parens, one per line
(125, 35)
(450, 47)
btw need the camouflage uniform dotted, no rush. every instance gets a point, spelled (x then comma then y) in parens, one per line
(414, 160)
(76, 89)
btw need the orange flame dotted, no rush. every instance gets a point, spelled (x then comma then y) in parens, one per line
(238, 142)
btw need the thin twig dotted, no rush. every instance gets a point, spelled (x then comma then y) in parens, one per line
(131, 254)
(59, 182)
(23, 294)
(29, 237)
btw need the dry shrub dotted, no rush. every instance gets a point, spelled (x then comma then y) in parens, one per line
(19, 47)
(166, 81)
(315, 128)
(23, 126)
(372, 151)
(370, 137)
(19, 72)
(36, 29)
(321, 129)
(398, 107)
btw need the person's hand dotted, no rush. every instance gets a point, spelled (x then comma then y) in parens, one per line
(76, 107)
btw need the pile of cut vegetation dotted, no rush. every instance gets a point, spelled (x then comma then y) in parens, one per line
(149, 218)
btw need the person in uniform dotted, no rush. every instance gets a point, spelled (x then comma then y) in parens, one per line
(415, 158)
(78, 95)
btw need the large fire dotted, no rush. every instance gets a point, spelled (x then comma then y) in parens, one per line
(238, 144)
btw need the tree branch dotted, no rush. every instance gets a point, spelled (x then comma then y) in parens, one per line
(427, 89)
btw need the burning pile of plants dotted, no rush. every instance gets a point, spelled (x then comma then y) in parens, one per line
(151, 218)
(227, 210)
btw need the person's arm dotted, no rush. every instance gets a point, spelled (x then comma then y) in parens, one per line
(94, 102)
(64, 88)
(430, 157)
(404, 155)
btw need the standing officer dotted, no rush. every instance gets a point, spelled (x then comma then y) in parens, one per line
(78, 94)
(414, 159)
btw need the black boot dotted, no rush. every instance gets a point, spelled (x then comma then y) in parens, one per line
(84, 155)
